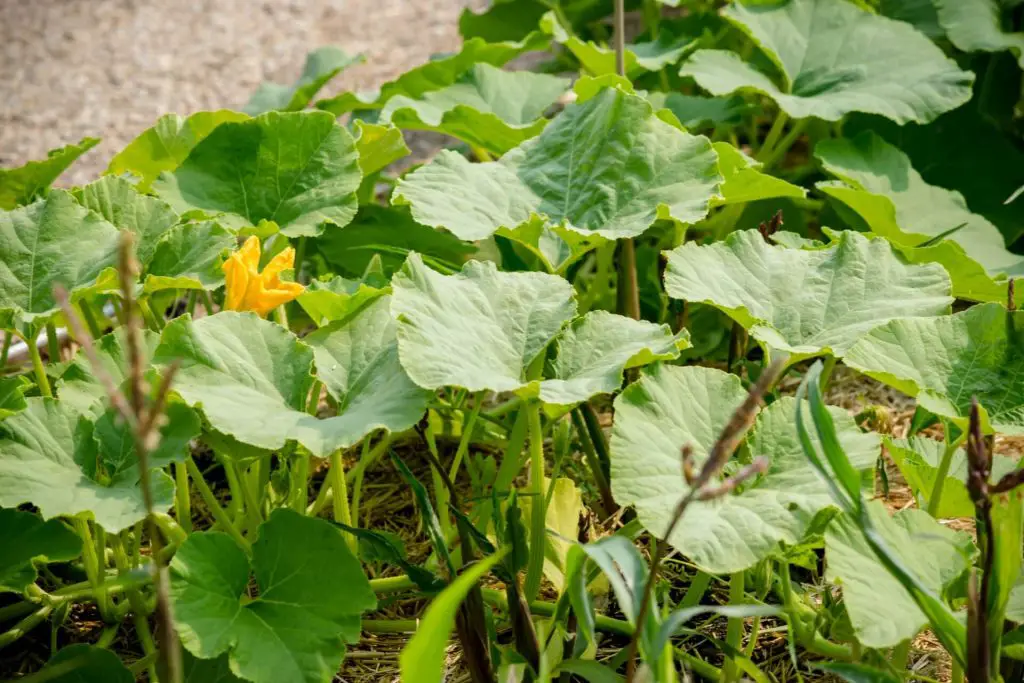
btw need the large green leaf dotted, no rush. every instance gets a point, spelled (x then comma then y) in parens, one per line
(189, 256)
(502, 20)
(121, 205)
(164, 146)
(311, 593)
(962, 151)
(918, 459)
(50, 457)
(483, 329)
(195, 670)
(806, 302)
(357, 360)
(882, 612)
(297, 169)
(28, 539)
(488, 107)
(974, 25)
(606, 167)
(86, 664)
(478, 329)
(834, 58)
(251, 379)
(55, 240)
(23, 184)
(945, 361)
(322, 64)
(916, 212)
(658, 415)
(436, 74)
(390, 233)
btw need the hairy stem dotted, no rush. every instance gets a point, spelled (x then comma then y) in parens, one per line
(940, 475)
(37, 366)
(340, 505)
(538, 523)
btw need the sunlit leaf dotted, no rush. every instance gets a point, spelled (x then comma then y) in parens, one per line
(23, 184)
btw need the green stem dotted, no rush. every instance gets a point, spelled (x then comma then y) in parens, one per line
(597, 436)
(510, 464)
(340, 505)
(182, 497)
(155, 322)
(5, 351)
(390, 625)
(538, 523)
(628, 291)
(807, 638)
(25, 625)
(467, 436)
(392, 584)
(253, 509)
(219, 515)
(734, 631)
(140, 616)
(780, 150)
(90, 320)
(300, 259)
(95, 572)
(698, 587)
(441, 495)
(596, 470)
(52, 345)
(774, 133)
(606, 624)
(900, 653)
(300, 481)
(940, 476)
(42, 380)
(826, 372)
(281, 316)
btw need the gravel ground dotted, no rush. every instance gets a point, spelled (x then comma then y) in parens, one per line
(110, 68)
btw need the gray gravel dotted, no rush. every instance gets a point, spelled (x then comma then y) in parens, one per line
(110, 68)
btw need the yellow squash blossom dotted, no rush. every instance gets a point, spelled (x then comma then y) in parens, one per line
(250, 290)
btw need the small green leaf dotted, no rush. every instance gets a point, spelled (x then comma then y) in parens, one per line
(298, 169)
(487, 107)
(121, 205)
(378, 146)
(322, 64)
(50, 457)
(12, 394)
(23, 184)
(834, 58)
(607, 167)
(882, 612)
(55, 240)
(328, 300)
(655, 419)
(189, 256)
(27, 540)
(943, 362)
(806, 302)
(977, 25)
(744, 182)
(80, 663)
(422, 659)
(164, 146)
(311, 593)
